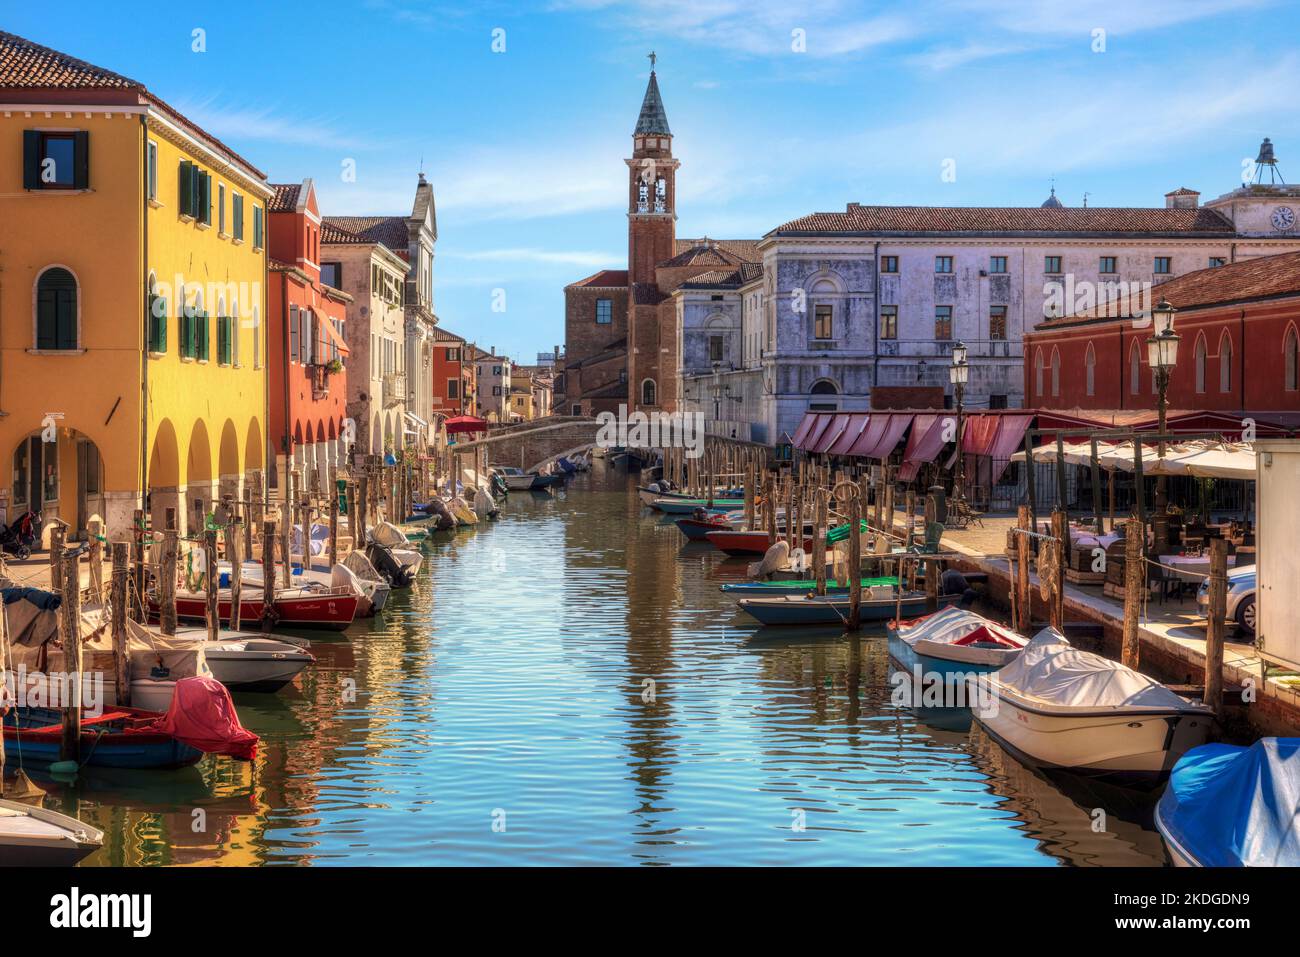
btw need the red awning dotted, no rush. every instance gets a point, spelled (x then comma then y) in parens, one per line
(922, 445)
(819, 427)
(1011, 435)
(867, 440)
(856, 423)
(834, 430)
(978, 433)
(466, 423)
(889, 437)
(801, 433)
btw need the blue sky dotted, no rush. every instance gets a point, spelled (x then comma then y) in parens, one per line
(525, 148)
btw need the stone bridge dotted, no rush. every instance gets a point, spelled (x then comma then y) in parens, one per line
(528, 445)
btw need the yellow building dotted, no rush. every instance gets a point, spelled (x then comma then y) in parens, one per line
(132, 293)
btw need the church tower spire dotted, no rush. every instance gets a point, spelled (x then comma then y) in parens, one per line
(652, 173)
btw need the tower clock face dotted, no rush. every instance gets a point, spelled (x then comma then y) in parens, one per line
(1283, 218)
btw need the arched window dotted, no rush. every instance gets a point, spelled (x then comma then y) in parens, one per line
(648, 392)
(1291, 355)
(1134, 369)
(1200, 362)
(824, 387)
(1056, 372)
(1225, 363)
(1038, 372)
(56, 309)
(1090, 368)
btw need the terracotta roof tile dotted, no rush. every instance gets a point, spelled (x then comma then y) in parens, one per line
(744, 250)
(1012, 220)
(28, 65)
(1263, 277)
(285, 199)
(446, 335)
(647, 294)
(606, 278)
(391, 231)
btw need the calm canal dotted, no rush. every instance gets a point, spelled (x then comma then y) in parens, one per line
(496, 715)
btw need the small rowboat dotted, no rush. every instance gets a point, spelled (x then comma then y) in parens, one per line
(833, 609)
(695, 529)
(746, 543)
(953, 642)
(687, 506)
(329, 608)
(801, 586)
(34, 837)
(118, 738)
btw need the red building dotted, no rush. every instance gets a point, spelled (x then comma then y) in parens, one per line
(1239, 354)
(447, 368)
(307, 346)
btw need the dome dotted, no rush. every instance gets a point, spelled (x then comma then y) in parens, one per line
(1052, 202)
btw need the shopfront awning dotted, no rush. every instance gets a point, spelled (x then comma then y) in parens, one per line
(819, 428)
(890, 430)
(923, 445)
(805, 426)
(831, 433)
(466, 423)
(416, 420)
(852, 430)
(333, 335)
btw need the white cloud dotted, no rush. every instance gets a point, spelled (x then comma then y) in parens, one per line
(583, 258)
(267, 124)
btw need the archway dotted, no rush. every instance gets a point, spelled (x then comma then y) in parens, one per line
(253, 461)
(164, 477)
(199, 484)
(58, 473)
(228, 470)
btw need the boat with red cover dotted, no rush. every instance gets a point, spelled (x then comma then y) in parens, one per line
(118, 738)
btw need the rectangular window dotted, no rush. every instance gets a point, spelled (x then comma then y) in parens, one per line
(187, 178)
(889, 322)
(889, 264)
(1051, 264)
(943, 264)
(453, 354)
(823, 322)
(56, 160)
(715, 348)
(306, 336)
(997, 322)
(157, 324)
(943, 322)
(453, 388)
(1107, 265)
(997, 401)
(293, 334)
(331, 274)
(604, 311)
(237, 217)
(152, 154)
(496, 390)
(225, 338)
(997, 264)
(257, 227)
(1161, 266)
(201, 334)
(1217, 261)
(221, 208)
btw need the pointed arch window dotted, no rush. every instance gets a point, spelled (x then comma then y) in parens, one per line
(1200, 363)
(1038, 372)
(1291, 355)
(1134, 369)
(1056, 372)
(1090, 369)
(1225, 364)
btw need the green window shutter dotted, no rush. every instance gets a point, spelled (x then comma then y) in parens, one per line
(205, 199)
(187, 169)
(161, 320)
(257, 227)
(203, 337)
(31, 159)
(183, 332)
(239, 217)
(81, 160)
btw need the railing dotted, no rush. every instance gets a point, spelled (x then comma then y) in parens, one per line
(394, 389)
(942, 348)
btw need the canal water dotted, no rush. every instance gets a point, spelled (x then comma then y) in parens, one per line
(568, 686)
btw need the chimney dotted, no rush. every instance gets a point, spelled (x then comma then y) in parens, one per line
(1182, 198)
(853, 207)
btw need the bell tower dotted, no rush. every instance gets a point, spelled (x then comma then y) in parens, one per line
(652, 193)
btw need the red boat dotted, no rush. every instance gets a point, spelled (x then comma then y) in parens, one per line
(747, 543)
(332, 609)
(696, 528)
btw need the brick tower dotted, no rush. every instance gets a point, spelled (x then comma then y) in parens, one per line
(651, 232)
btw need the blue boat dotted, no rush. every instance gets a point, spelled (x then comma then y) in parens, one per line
(834, 609)
(1228, 806)
(119, 738)
(802, 586)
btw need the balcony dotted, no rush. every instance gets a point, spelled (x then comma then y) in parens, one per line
(320, 381)
(942, 348)
(394, 389)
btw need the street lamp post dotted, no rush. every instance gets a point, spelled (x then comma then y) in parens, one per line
(959, 374)
(717, 390)
(1162, 355)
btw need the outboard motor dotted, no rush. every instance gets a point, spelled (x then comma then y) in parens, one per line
(381, 556)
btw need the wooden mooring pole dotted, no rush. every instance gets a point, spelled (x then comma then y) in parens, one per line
(855, 563)
(268, 575)
(70, 635)
(117, 595)
(1134, 584)
(1214, 632)
(166, 581)
(212, 610)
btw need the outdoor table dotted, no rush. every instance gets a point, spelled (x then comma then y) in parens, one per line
(1191, 568)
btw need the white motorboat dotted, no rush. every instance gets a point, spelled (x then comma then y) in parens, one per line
(249, 661)
(32, 836)
(1058, 707)
(954, 641)
(517, 480)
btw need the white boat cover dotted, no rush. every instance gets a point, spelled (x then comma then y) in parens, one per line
(1056, 676)
(952, 625)
(362, 567)
(484, 506)
(386, 533)
(462, 512)
(775, 558)
(342, 576)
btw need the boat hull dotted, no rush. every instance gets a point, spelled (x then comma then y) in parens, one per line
(696, 530)
(687, 506)
(133, 749)
(1179, 855)
(908, 658)
(746, 543)
(834, 611)
(326, 612)
(1134, 748)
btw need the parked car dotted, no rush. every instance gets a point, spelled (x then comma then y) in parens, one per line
(1241, 598)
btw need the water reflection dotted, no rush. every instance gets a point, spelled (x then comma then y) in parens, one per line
(569, 686)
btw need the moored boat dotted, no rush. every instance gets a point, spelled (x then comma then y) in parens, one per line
(118, 738)
(953, 641)
(687, 506)
(247, 661)
(695, 529)
(735, 542)
(1062, 708)
(876, 605)
(34, 837)
(1229, 806)
(332, 609)
(799, 586)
